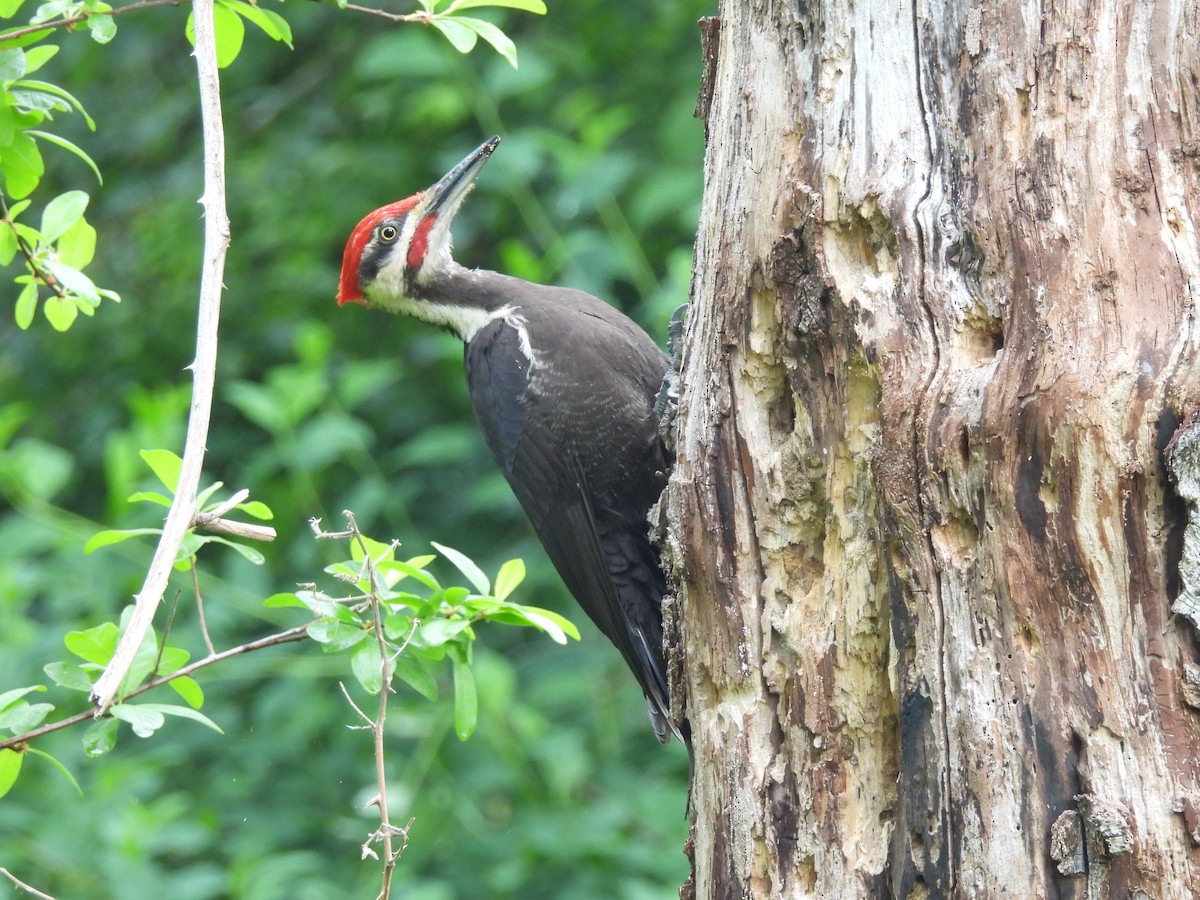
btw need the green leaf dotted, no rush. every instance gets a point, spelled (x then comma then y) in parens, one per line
(149, 497)
(144, 719)
(12, 66)
(68, 675)
(537, 7)
(187, 688)
(8, 242)
(334, 634)
(203, 494)
(463, 563)
(60, 312)
(51, 88)
(103, 28)
(402, 570)
(271, 23)
(184, 712)
(95, 645)
(466, 706)
(248, 552)
(166, 465)
(147, 718)
(70, 147)
(510, 576)
(100, 737)
(77, 246)
(230, 33)
(281, 26)
(171, 659)
(257, 510)
(74, 281)
(412, 672)
(8, 698)
(188, 549)
(40, 102)
(115, 536)
(460, 36)
(26, 306)
(23, 166)
(8, 8)
(38, 56)
(52, 9)
(24, 40)
(8, 128)
(500, 41)
(61, 213)
(61, 768)
(10, 768)
(378, 550)
(22, 716)
(366, 664)
(552, 623)
(431, 634)
(284, 599)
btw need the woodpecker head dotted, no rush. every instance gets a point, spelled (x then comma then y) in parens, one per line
(405, 243)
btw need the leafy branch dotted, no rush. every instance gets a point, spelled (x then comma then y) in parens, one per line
(286, 636)
(386, 830)
(76, 13)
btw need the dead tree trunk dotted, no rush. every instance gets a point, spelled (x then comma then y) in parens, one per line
(943, 325)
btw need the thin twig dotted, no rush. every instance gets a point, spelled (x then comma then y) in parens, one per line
(200, 608)
(421, 18)
(362, 715)
(22, 886)
(282, 637)
(216, 241)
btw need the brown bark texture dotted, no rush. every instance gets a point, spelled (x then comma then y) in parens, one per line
(943, 327)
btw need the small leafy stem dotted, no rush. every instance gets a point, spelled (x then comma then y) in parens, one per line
(386, 830)
(297, 633)
(26, 251)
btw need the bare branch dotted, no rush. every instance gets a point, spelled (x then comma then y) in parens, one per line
(251, 532)
(216, 240)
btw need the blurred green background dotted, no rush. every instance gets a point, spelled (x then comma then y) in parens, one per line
(563, 791)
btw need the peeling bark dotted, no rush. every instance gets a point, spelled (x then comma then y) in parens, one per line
(943, 325)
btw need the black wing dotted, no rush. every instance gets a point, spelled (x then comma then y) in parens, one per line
(603, 556)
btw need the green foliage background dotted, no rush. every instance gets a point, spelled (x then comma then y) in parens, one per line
(563, 791)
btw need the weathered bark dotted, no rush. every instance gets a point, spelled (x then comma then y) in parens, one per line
(943, 325)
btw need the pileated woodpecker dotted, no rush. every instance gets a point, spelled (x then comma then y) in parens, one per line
(563, 387)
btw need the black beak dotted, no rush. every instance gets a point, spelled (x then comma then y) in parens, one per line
(453, 186)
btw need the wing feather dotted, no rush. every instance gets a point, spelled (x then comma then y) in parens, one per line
(607, 563)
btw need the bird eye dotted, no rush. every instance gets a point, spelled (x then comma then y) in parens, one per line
(388, 233)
